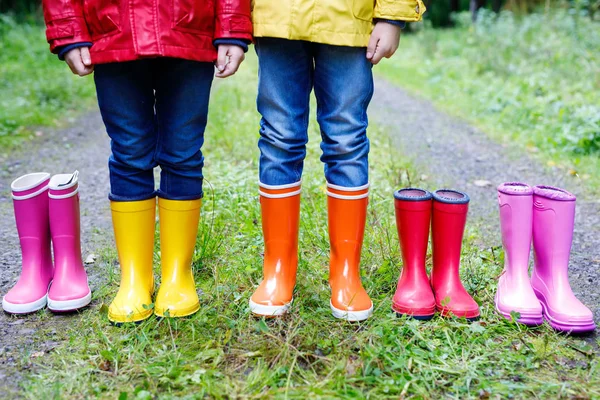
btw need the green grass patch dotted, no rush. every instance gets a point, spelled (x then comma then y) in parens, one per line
(532, 82)
(224, 352)
(37, 89)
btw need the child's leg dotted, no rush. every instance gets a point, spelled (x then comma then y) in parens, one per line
(126, 100)
(182, 94)
(285, 83)
(285, 80)
(344, 87)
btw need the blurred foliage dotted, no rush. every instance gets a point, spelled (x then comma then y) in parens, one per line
(439, 12)
(532, 80)
(37, 88)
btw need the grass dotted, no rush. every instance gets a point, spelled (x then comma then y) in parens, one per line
(531, 82)
(224, 352)
(37, 89)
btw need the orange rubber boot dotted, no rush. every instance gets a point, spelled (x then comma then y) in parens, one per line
(280, 206)
(347, 216)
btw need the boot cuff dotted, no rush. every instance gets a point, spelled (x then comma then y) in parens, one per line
(553, 193)
(450, 196)
(515, 189)
(412, 194)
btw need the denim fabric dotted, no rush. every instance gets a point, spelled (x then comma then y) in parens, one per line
(343, 82)
(155, 113)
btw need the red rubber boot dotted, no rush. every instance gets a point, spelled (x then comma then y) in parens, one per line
(450, 209)
(413, 295)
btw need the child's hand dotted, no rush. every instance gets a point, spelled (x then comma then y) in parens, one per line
(79, 61)
(384, 41)
(228, 60)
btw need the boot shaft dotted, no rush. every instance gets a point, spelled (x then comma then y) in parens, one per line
(516, 219)
(30, 202)
(413, 218)
(448, 221)
(134, 224)
(280, 214)
(347, 215)
(553, 223)
(64, 209)
(179, 221)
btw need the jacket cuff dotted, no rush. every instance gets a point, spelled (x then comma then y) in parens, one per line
(63, 50)
(237, 42)
(400, 24)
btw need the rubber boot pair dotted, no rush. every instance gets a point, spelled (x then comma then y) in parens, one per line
(47, 212)
(347, 211)
(546, 216)
(134, 226)
(417, 295)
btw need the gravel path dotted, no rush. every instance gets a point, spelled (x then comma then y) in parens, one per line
(454, 154)
(451, 152)
(84, 147)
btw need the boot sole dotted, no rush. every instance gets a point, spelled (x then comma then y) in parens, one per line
(351, 316)
(26, 308)
(269, 311)
(119, 320)
(423, 315)
(529, 319)
(186, 312)
(69, 305)
(568, 327)
(469, 316)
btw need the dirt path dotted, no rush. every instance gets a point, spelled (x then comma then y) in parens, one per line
(451, 152)
(454, 154)
(85, 147)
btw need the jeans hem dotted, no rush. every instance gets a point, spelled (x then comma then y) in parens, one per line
(165, 196)
(114, 197)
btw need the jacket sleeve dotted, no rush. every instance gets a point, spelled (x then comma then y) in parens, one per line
(233, 20)
(65, 24)
(399, 10)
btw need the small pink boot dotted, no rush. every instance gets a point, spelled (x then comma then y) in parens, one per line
(553, 223)
(514, 286)
(69, 290)
(30, 199)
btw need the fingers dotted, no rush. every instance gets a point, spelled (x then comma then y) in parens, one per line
(85, 56)
(384, 49)
(75, 61)
(222, 58)
(235, 57)
(372, 46)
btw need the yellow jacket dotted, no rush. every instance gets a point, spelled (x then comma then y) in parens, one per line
(336, 22)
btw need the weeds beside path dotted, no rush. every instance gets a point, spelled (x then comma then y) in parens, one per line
(530, 82)
(222, 351)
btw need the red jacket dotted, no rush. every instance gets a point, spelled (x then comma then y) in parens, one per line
(126, 30)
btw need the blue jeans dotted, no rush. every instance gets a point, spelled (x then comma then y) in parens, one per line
(155, 113)
(343, 82)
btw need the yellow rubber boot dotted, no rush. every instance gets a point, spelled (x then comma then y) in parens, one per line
(177, 295)
(134, 225)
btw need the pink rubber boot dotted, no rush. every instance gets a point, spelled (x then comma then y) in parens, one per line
(69, 290)
(553, 222)
(30, 199)
(514, 286)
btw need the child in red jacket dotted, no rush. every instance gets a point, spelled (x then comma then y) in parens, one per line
(153, 69)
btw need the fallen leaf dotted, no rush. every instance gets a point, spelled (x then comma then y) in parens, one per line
(572, 172)
(90, 259)
(37, 354)
(424, 177)
(482, 183)
(551, 163)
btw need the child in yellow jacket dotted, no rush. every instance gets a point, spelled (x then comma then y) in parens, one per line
(331, 46)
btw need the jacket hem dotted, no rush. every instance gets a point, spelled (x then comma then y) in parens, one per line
(124, 55)
(323, 37)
